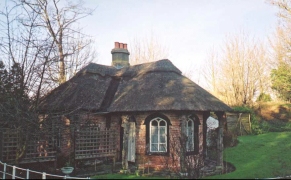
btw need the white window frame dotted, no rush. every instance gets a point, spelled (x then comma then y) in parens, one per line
(159, 120)
(189, 149)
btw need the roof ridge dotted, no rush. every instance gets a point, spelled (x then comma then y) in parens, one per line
(138, 69)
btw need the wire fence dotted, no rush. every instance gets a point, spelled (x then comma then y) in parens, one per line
(14, 172)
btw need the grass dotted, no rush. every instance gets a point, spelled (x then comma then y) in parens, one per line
(259, 156)
(125, 176)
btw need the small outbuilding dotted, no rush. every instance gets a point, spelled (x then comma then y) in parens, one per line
(132, 113)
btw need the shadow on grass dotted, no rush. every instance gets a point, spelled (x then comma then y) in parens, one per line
(126, 176)
(260, 156)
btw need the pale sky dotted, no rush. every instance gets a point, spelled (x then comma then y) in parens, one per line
(189, 28)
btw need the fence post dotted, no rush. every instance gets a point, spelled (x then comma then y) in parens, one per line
(43, 175)
(13, 172)
(27, 173)
(4, 170)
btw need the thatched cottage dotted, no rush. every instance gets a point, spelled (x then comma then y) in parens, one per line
(148, 113)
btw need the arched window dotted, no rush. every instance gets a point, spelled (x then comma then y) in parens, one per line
(191, 131)
(190, 135)
(158, 135)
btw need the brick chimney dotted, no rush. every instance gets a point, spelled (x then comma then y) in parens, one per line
(120, 55)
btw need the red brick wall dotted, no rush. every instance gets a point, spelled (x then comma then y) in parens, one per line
(172, 161)
(114, 125)
(67, 142)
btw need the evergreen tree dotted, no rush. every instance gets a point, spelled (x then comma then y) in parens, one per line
(281, 81)
(15, 112)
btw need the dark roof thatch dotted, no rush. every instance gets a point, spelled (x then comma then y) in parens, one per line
(146, 87)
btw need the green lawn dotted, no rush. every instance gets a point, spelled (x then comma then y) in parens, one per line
(124, 176)
(261, 156)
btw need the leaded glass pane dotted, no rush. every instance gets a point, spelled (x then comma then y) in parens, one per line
(190, 136)
(191, 145)
(154, 130)
(162, 138)
(162, 130)
(189, 123)
(154, 123)
(190, 142)
(190, 131)
(162, 123)
(154, 138)
(158, 135)
(154, 147)
(163, 148)
(162, 134)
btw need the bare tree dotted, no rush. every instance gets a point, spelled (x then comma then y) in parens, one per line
(22, 54)
(147, 49)
(210, 71)
(281, 46)
(284, 10)
(59, 20)
(193, 72)
(240, 71)
(29, 56)
(20, 44)
(281, 40)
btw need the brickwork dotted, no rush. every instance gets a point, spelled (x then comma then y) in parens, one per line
(115, 125)
(171, 161)
(66, 132)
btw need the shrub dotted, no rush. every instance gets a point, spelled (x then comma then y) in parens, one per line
(279, 126)
(287, 126)
(256, 128)
(264, 98)
(229, 139)
(265, 126)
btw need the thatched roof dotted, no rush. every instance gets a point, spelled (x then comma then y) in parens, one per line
(146, 87)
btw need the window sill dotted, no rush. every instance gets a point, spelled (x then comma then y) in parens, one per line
(191, 153)
(157, 154)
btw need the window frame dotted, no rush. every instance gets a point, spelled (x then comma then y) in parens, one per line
(190, 131)
(158, 143)
(147, 122)
(196, 122)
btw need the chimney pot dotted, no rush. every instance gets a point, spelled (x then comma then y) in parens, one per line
(116, 45)
(120, 55)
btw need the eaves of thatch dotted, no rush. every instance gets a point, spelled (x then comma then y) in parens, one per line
(146, 87)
